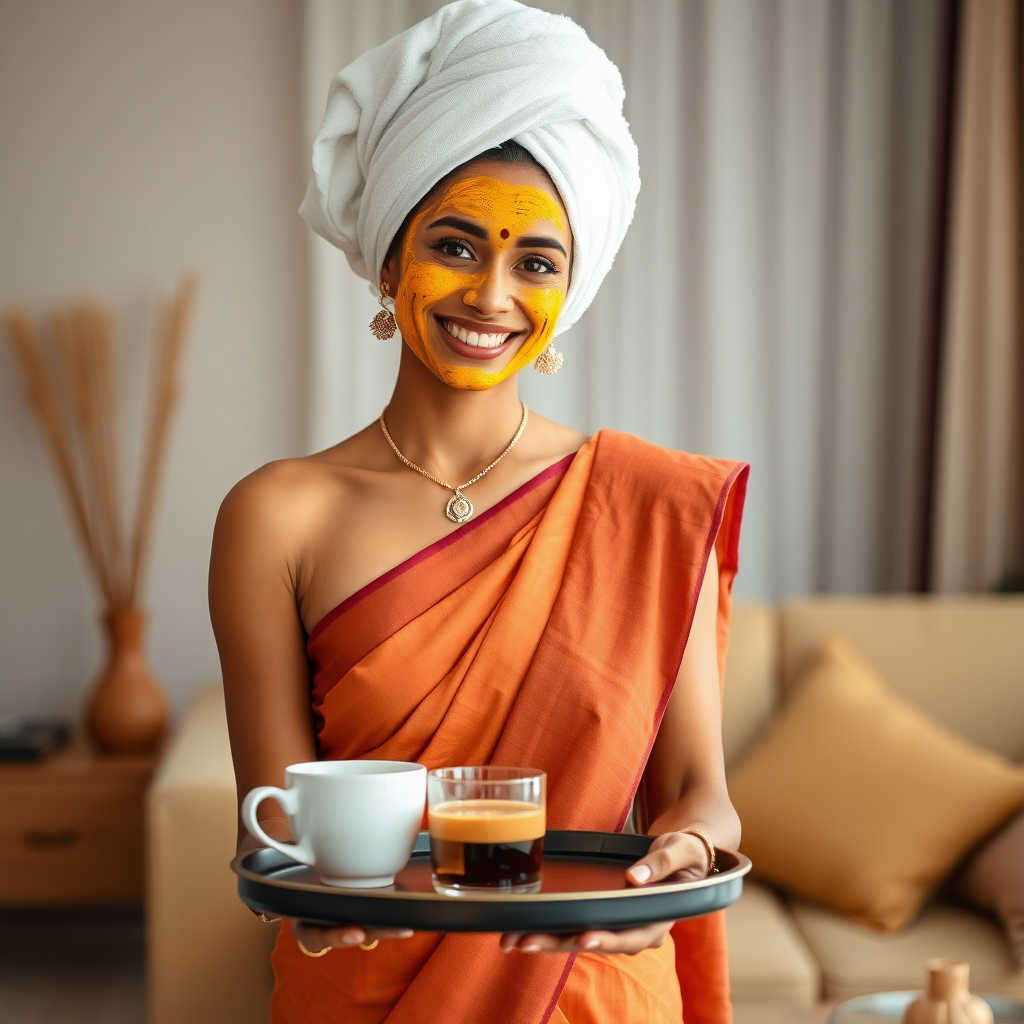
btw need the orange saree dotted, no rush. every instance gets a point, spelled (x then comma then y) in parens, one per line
(547, 632)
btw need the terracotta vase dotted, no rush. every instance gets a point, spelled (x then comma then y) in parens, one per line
(128, 711)
(948, 999)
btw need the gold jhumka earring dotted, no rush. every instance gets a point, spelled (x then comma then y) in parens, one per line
(549, 361)
(384, 324)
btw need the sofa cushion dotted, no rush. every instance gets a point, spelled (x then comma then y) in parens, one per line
(961, 660)
(768, 959)
(751, 677)
(856, 960)
(857, 800)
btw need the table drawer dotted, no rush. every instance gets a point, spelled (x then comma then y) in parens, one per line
(72, 843)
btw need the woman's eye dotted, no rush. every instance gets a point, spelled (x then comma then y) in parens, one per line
(455, 248)
(536, 265)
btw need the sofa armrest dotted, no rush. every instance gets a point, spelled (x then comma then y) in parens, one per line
(209, 957)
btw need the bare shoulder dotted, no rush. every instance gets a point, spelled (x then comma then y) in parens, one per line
(295, 488)
(272, 523)
(272, 497)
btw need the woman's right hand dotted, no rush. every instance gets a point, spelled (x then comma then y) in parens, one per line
(316, 938)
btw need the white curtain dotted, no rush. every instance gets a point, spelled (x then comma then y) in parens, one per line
(770, 302)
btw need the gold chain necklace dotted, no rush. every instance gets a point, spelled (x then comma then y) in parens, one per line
(459, 508)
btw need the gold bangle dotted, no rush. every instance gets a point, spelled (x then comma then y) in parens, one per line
(708, 845)
(323, 952)
(372, 945)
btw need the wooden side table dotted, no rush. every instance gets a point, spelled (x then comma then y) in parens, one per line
(72, 828)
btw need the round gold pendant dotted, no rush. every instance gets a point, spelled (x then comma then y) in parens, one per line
(459, 508)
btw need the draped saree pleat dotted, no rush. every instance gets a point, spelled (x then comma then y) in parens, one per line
(548, 632)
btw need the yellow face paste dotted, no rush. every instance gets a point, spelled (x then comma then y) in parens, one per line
(507, 211)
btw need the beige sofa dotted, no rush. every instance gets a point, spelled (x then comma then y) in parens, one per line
(962, 661)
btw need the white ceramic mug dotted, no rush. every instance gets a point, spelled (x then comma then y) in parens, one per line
(355, 822)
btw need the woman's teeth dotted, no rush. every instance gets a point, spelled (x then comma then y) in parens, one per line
(473, 338)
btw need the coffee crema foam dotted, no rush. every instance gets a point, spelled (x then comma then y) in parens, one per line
(487, 821)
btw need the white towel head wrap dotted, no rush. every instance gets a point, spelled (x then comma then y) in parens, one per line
(478, 72)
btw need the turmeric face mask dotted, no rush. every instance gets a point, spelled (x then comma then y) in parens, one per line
(475, 255)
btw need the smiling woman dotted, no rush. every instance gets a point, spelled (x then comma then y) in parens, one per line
(571, 617)
(480, 305)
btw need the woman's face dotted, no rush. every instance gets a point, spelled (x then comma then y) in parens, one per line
(482, 273)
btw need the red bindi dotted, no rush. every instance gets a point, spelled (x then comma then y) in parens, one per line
(504, 232)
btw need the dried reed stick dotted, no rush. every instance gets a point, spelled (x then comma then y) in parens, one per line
(73, 350)
(172, 326)
(97, 328)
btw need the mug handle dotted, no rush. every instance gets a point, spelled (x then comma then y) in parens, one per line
(288, 799)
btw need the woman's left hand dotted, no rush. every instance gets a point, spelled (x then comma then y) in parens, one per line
(674, 856)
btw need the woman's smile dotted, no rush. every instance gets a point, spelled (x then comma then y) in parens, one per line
(476, 340)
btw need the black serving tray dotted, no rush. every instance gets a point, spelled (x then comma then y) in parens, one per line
(584, 887)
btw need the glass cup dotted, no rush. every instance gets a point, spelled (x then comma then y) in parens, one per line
(486, 829)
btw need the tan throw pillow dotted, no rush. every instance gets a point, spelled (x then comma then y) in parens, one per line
(857, 800)
(993, 879)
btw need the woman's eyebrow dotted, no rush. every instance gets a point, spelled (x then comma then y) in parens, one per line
(540, 242)
(460, 225)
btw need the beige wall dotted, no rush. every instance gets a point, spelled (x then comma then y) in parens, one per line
(138, 139)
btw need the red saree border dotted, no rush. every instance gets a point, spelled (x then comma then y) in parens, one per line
(562, 982)
(438, 546)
